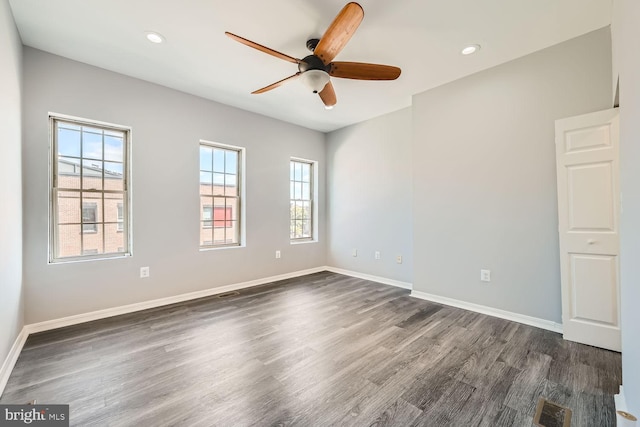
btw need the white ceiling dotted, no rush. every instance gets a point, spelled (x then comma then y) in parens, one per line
(423, 37)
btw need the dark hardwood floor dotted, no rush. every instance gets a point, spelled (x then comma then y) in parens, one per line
(319, 350)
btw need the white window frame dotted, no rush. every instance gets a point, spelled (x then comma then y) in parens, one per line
(314, 202)
(127, 250)
(241, 184)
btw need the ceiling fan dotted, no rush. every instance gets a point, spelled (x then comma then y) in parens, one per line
(316, 69)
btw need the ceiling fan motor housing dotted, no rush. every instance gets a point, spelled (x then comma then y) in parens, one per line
(311, 62)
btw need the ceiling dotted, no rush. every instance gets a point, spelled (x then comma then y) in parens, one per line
(423, 37)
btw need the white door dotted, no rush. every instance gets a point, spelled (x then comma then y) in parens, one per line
(588, 206)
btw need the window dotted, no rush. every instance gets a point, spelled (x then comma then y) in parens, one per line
(89, 192)
(89, 217)
(220, 194)
(301, 203)
(207, 216)
(120, 223)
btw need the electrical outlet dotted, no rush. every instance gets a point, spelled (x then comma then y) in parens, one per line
(144, 272)
(354, 252)
(278, 254)
(485, 275)
(376, 255)
(399, 259)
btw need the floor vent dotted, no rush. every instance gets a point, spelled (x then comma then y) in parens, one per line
(228, 294)
(549, 414)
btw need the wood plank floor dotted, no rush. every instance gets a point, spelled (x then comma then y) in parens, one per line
(320, 350)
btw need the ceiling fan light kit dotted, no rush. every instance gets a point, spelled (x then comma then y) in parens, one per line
(315, 70)
(315, 80)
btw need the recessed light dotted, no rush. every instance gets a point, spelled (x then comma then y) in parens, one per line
(472, 48)
(154, 37)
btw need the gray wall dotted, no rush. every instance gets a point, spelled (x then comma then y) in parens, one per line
(369, 208)
(626, 34)
(167, 126)
(11, 299)
(484, 194)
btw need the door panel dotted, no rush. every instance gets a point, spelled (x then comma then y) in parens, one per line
(588, 209)
(588, 139)
(586, 184)
(593, 288)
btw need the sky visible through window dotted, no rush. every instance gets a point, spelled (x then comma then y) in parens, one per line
(75, 142)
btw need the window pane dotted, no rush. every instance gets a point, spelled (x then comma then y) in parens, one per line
(306, 191)
(92, 143)
(298, 172)
(232, 210)
(92, 242)
(68, 173)
(231, 162)
(232, 232)
(291, 171)
(218, 234)
(113, 207)
(206, 234)
(113, 239)
(91, 175)
(68, 142)
(306, 172)
(206, 211)
(113, 176)
(69, 241)
(306, 210)
(298, 212)
(218, 184)
(207, 216)
(218, 160)
(292, 230)
(297, 191)
(306, 228)
(120, 223)
(68, 204)
(92, 202)
(114, 148)
(206, 183)
(206, 159)
(230, 182)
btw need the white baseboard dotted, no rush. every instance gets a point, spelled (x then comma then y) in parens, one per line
(383, 280)
(12, 358)
(131, 308)
(490, 311)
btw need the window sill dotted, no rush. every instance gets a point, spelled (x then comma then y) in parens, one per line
(88, 258)
(220, 248)
(302, 242)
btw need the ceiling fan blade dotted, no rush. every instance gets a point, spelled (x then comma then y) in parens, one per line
(328, 95)
(363, 71)
(276, 84)
(262, 48)
(339, 32)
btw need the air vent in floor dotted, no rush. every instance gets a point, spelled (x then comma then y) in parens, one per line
(549, 414)
(228, 294)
